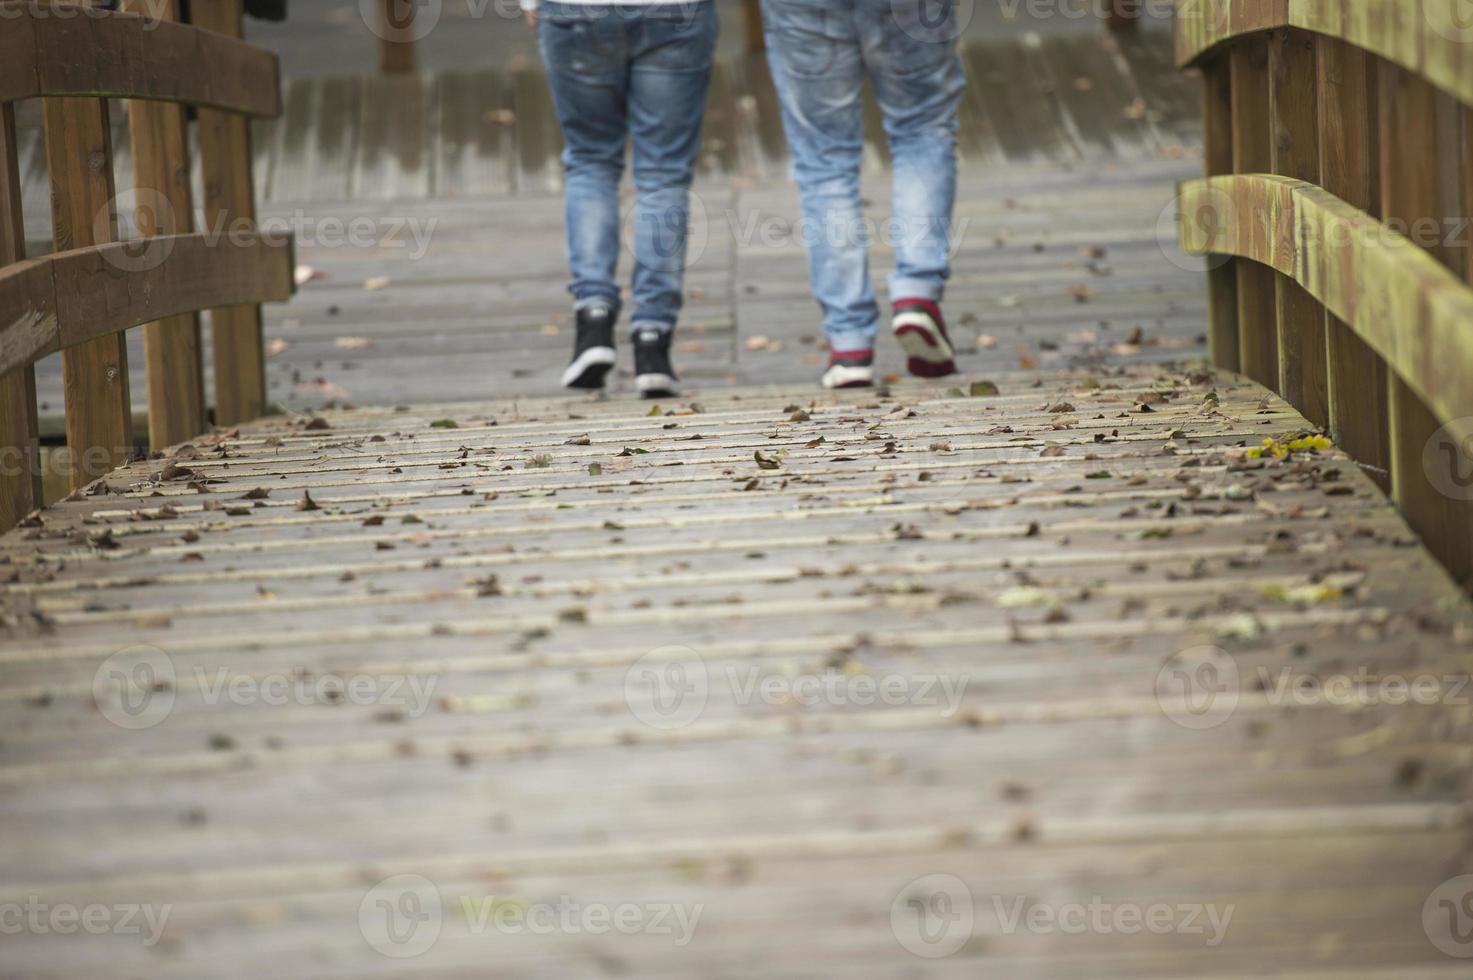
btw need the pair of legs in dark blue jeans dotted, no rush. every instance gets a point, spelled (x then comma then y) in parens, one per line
(640, 74)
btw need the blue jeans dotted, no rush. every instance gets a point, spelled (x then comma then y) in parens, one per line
(820, 52)
(619, 73)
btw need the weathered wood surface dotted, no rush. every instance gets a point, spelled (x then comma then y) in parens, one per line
(1407, 306)
(80, 295)
(20, 474)
(130, 55)
(1426, 37)
(162, 204)
(228, 179)
(1058, 547)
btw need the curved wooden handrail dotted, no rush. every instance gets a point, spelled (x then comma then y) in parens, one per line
(59, 301)
(130, 56)
(1408, 307)
(1430, 38)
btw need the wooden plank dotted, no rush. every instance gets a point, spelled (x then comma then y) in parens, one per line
(1294, 121)
(1428, 38)
(85, 295)
(1399, 300)
(1217, 157)
(1410, 194)
(20, 459)
(132, 56)
(164, 205)
(229, 198)
(784, 820)
(1252, 141)
(1349, 169)
(95, 372)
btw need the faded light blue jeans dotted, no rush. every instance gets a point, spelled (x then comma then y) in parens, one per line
(622, 73)
(820, 52)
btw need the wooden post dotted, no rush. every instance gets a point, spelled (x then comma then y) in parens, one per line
(1409, 193)
(20, 450)
(1349, 170)
(752, 21)
(1222, 272)
(1253, 154)
(94, 373)
(396, 37)
(1294, 123)
(230, 201)
(158, 135)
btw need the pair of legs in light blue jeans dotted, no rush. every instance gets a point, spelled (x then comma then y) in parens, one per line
(624, 74)
(820, 52)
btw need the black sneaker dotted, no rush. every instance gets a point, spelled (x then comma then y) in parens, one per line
(653, 375)
(850, 369)
(593, 351)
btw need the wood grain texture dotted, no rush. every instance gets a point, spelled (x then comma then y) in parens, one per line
(163, 204)
(1429, 38)
(1258, 335)
(1412, 195)
(75, 298)
(1350, 170)
(131, 56)
(1217, 157)
(230, 200)
(1409, 308)
(95, 372)
(1294, 122)
(20, 460)
(1401, 301)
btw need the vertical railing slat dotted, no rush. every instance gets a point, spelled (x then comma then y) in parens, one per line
(163, 204)
(1217, 154)
(229, 198)
(20, 462)
(1348, 169)
(1293, 79)
(1409, 194)
(94, 373)
(1252, 154)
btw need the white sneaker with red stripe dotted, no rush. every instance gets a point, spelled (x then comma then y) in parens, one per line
(921, 331)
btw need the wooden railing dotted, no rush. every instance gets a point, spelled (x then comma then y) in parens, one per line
(79, 299)
(1339, 159)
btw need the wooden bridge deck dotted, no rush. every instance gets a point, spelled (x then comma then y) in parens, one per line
(844, 681)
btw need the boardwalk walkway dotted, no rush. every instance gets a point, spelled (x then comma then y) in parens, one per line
(761, 681)
(786, 663)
